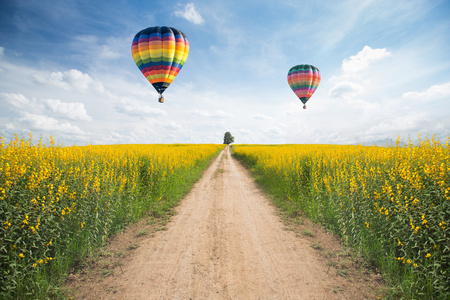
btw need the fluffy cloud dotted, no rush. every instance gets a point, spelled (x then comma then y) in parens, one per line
(400, 125)
(16, 100)
(261, 117)
(346, 88)
(173, 126)
(108, 53)
(190, 13)
(353, 81)
(137, 108)
(432, 93)
(71, 79)
(99, 49)
(21, 103)
(49, 124)
(215, 114)
(363, 59)
(243, 131)
(274, 132)
(72, 110)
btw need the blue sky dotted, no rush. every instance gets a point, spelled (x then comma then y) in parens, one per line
(66, 70)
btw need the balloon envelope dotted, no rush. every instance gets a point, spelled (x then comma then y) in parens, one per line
(303, 80)
(160, 53)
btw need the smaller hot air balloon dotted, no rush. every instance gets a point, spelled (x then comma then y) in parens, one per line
(303, 80)
(160, 53)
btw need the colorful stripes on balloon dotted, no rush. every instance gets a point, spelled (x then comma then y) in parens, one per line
(303, 80)
(160, 53)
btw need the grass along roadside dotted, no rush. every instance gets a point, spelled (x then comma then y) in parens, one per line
(342, 261)
(109, 259)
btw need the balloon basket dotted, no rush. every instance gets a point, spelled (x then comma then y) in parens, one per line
(304, 106)
(161, 99)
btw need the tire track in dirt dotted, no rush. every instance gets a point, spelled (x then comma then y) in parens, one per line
(225, 243)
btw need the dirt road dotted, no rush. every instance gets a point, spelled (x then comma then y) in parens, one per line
(225, 243)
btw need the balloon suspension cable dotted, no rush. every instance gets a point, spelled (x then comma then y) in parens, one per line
(161, 98)
(304, 100)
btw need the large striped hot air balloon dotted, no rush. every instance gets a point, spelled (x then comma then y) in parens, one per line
(160, 53)
(304, 80)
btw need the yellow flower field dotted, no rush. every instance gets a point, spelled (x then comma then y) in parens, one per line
(391, 203)
(57, 203)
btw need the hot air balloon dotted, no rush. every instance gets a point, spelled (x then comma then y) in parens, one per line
(160, 53)
(303, 80)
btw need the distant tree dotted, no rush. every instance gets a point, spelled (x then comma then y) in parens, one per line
(228, 138)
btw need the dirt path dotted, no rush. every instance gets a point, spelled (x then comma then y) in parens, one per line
(225, 242)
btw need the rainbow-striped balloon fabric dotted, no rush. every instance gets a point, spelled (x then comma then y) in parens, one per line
(160, 53)
(303, 80)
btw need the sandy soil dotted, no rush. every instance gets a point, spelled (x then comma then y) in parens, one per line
(227, 242)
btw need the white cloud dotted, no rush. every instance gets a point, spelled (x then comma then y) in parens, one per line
(261, 117)
(399, 125)
(72, 110)
(363, 59)
(243, 131)
(174, 126)
(71, 79)
(86, 39)
(215, 114)
(346, 88)
(361, 105)
(432, 93)
(49, 124)
(22, 103)
(118, 138)
(190, 14)
(354, 83)
(16, 100)
(137, 108)
(274, 132)
(99, 49)
(108, 53)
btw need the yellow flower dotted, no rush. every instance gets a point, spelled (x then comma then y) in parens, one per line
(428, 255)
(21, 255)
